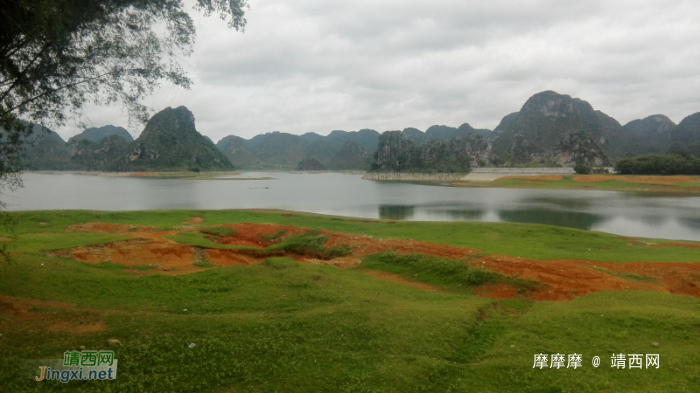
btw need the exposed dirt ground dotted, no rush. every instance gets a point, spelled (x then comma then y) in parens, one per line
(637, 179)
(30, 315)
(535, 178)
(562, 279)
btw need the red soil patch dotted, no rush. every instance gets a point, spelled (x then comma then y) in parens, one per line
(663, 180)
(560, 279)
(685, 245)
(4, 239)
(535, 178)
(135, 252)
(568, 279)
(221, 257)
(17, 306)
(194, 220)
(21, 316)
(497, 291)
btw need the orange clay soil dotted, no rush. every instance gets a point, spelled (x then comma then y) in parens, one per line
(664, 180)
(534, 178)
(28, 315)
(561, 279)
(685, 245)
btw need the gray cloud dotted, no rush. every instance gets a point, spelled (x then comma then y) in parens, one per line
(317, 65)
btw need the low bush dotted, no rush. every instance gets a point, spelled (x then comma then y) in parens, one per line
(218, 231)
(583, 169)
(430, 269)
(659, 165)
(311, 243)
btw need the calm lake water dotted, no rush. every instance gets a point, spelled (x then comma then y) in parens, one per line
(623, 213)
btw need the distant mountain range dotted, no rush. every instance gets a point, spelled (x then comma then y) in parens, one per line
(169, 142)
(550, 129)
(97, 134)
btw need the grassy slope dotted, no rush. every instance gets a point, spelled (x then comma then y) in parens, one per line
(523, 240)
(569, 184)
(282, 326)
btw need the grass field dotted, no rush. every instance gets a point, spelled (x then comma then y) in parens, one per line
(284, 326)
(635, 183)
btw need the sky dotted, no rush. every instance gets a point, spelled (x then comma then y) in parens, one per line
(322, 65)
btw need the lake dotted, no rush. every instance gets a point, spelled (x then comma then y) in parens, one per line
(623, 213)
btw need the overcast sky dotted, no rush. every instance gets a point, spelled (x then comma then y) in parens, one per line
(320, 65)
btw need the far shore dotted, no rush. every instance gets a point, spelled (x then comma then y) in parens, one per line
(540, 178)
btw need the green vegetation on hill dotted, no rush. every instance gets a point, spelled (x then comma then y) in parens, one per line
(445, 133)
(235, 150)
(650, 135)
(44, 149)
(352, 155)
(685, 138)
(554, 129)
(551, 129)
(659, 165)
(310, 164)
(97, 134)
(276, 150)
(96, 156)
(397, 153)
(170, 142)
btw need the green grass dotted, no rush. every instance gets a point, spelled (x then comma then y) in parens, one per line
(218, 231)
(524, 240)
(203, 264)
(200, 240)
(445, 273)
(274, 237)
(283, 326)
(626, 276)
(107, 265)
(311, 243)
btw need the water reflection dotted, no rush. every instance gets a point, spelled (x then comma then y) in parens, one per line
(560, 218)
(465, 214)
(654, 221)
(628, 214)
(569, 203)
(690, 223)
(396, 212)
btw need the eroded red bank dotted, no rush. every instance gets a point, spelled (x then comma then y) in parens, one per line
(563, 279)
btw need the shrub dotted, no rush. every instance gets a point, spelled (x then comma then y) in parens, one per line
(218, 231)
(582, 169)
(440, 271)
(312, 244)
(659, 165)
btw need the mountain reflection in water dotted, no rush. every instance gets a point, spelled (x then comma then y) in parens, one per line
(623, 213)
